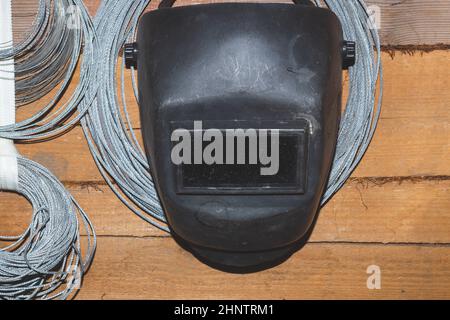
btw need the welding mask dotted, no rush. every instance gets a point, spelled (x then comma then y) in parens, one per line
(240, 105)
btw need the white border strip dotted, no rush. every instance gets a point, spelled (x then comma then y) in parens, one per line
(8, 154)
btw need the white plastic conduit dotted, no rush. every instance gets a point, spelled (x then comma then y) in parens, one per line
(45, 261)
(9, 176)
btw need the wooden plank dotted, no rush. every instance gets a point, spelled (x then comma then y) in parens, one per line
(379, 211)
(387, 211)
(398, 222)
(414, 22)
(414, 84)
(411, 22)
(414, 129)
(408, 147)
(414, 149)
(68, 157)
(24, 14)
(415, 87)
(131, 268)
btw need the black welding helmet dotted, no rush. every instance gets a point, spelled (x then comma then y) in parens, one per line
(240, 106)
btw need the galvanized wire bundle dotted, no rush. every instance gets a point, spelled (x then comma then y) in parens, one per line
(45, 262)
(111, 138)
(360, 119)
(47, 59)
(48, 255)
(113, 141)
(43, 57)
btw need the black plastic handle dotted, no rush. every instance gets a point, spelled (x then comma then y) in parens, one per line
(170, 3)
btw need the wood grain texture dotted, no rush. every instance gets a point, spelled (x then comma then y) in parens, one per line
(414, 22)
(377, 211)
(131, 268)
(24, 14)
(408, 22)
(394, 212)
(412, 138)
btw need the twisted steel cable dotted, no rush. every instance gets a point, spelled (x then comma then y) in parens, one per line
(47, 60)
(44, 65)
(360, 118)
(45, 262)
(42, 58)
(114, 144)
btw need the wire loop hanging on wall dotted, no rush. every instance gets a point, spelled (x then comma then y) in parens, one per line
(43, 57)
(113, 141)
(111, 138)
(362, 112)
(47, 59)
(48, 255)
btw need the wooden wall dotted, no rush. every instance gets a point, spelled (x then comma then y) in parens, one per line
(394, 212)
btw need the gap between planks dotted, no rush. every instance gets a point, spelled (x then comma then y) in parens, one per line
(378, 181)
(310, 242)
(391, 212)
